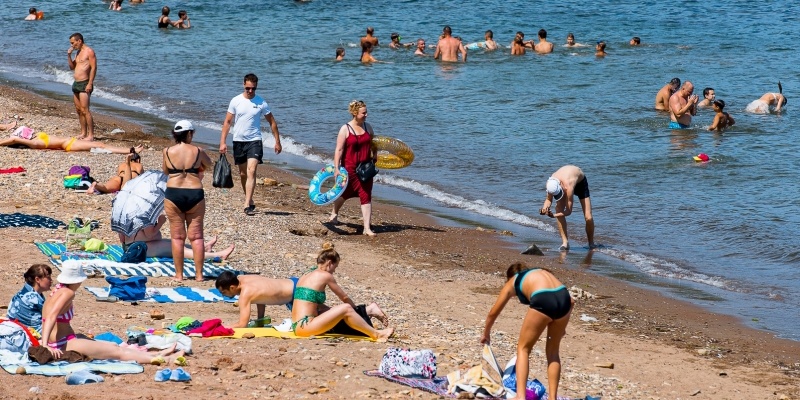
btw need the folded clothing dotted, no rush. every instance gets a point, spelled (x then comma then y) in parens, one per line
(43, 356)
(212, 327)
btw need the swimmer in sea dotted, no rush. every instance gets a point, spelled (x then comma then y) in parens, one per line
(600, 49)
(370, 37)
(489, 42)
(115, 5)
(420, 48)
(682, 106)
(339, 53)
(635, 41)
(31, 14)
(529, 44)
(366, 53)
(543, 47)
(663, 95)
(183, 20)
(449, 47)
(708, 98)
(722, 119)
(517, 46)
(395, 43)
(570, 40)
(769, 102)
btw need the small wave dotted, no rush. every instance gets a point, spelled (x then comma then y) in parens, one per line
(666, 269)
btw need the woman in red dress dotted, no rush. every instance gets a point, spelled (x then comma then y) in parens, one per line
(353, 146)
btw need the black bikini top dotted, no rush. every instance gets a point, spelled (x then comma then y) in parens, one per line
(193, 170)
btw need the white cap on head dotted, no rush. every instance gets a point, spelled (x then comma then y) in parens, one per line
(554, 188)
(71, 273)
(183, 126)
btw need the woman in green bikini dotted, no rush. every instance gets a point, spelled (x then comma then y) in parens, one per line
(310, 293)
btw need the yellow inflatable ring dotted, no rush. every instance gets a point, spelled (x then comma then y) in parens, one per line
(392, 153)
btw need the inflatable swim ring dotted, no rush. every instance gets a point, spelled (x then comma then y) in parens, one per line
(40, 15)
(475, 46)
(392, 153)
(321, 176)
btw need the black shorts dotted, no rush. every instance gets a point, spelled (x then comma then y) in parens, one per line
(242, 151)
(582, 189)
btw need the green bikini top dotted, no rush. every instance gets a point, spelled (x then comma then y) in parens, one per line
(314, 296)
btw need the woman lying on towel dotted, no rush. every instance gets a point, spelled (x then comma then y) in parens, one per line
(310, 293)
(26, 306)
(551, 305)
(57, 332)
(157, 246)
(131, 168)
(42, 141)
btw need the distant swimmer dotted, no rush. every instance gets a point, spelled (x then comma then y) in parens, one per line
(449, 47)
(543, 47)
(33, 15)
(163, 20)
(137, 1)
(529, 44)
(569, 180)
(663, 95)
(115, 5)
(571, 40)
(722, 119)
(708, 98)
(600, 49)
(339, 53)
(366, 53)
(370, 37)
(183, 20)
(396, 41)
(420, 48)
(682, 105)
(769, 102)
(635, 41)
(488, 40)
(84, 66)
(517, 46)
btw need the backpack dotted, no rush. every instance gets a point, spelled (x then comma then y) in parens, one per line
(409, 363)
(78, 178)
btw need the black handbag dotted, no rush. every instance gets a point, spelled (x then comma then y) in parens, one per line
(366, 170)
(222, 173)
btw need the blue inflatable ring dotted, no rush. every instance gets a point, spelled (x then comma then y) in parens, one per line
(328, 197)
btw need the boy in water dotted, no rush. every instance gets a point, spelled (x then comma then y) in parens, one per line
(339, 53)
(183, 21)
(600, 49)
(722, 119)
(708, 98)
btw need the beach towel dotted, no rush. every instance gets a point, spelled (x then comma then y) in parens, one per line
(28, 220)
(109, 264)
(12, 170)
(272, 332)
(435, 385)
(174, 295)
(62, 368)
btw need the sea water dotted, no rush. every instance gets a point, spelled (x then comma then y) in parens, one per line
(488, 133)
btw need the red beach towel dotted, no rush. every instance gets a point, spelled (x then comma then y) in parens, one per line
(12, 170)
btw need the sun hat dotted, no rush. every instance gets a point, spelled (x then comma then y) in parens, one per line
(183, 126)
(554, 188)
(71, 273)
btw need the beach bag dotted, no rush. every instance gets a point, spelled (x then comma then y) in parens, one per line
(73, 181)
(77, 235)
(222, 173)
(78, 178)
(366, 170)
(136, 253)
(131, 289)
(409, 363)
(535, 389)
(24, 132)
(79, 170)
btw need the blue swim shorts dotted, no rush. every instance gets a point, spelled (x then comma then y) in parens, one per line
(676, 125)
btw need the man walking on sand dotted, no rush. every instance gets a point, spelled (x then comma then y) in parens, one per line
(85, 66)
(449, 47)
(682, 105)
(569, 180)
(248, 149)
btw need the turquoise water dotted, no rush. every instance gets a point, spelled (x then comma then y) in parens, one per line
(488, 133)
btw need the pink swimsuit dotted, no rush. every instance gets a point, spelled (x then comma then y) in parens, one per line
(64, 318)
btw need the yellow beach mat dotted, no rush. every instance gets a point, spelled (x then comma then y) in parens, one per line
(272, 332)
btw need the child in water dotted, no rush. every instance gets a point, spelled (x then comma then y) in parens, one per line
(722, 119)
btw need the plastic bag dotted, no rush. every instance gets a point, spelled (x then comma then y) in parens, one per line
(222, 173)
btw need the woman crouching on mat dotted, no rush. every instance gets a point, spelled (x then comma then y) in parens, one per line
(550, 305)
(310, 293)
(57, 313)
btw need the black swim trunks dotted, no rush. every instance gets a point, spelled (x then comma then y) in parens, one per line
(582, 189)
(79, 86)
(242, 151)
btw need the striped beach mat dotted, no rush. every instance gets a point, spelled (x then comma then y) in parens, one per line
(174, 295)
(107, 263)
(62, 368)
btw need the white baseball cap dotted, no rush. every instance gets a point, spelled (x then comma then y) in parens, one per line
(554, 188)
(183, 126)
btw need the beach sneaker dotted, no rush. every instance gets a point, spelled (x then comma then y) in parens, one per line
(163, 375)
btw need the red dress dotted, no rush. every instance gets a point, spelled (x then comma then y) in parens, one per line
(356, 149)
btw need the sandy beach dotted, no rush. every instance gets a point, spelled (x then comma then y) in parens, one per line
(436, 283)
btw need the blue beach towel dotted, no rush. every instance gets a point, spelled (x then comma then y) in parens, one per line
(174, 295)
(27, 220)
(62, 368)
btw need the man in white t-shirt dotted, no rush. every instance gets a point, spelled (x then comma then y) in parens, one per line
(244, 113)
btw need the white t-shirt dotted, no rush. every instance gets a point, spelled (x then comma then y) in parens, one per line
(247, 117)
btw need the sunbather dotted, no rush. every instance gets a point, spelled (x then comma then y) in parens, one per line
(310, 293)
(10, 125)
(42, 141)
(57, 332)
(26, 305)
(551, 305)
(131, 168)
(263, 291)
(158, 246)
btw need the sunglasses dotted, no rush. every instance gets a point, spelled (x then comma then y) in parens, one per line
(250, 89)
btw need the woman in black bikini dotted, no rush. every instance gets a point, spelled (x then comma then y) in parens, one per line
(184, 199)
(550, 305)
(163, 20)
(131, 168)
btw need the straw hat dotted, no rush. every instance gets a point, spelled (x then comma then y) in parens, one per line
(71, 273)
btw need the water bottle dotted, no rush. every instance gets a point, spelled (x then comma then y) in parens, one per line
(260, 323)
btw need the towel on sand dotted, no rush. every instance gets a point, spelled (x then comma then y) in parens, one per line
(238, 333)
(174, 295)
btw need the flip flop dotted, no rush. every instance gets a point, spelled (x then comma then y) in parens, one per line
(179, 375)
(82, 377)
(163, 375)
(108, 299)
(181, 360)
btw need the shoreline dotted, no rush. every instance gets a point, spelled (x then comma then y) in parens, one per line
(413, 243)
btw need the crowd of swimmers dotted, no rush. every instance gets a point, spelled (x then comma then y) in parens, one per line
(164, 21)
